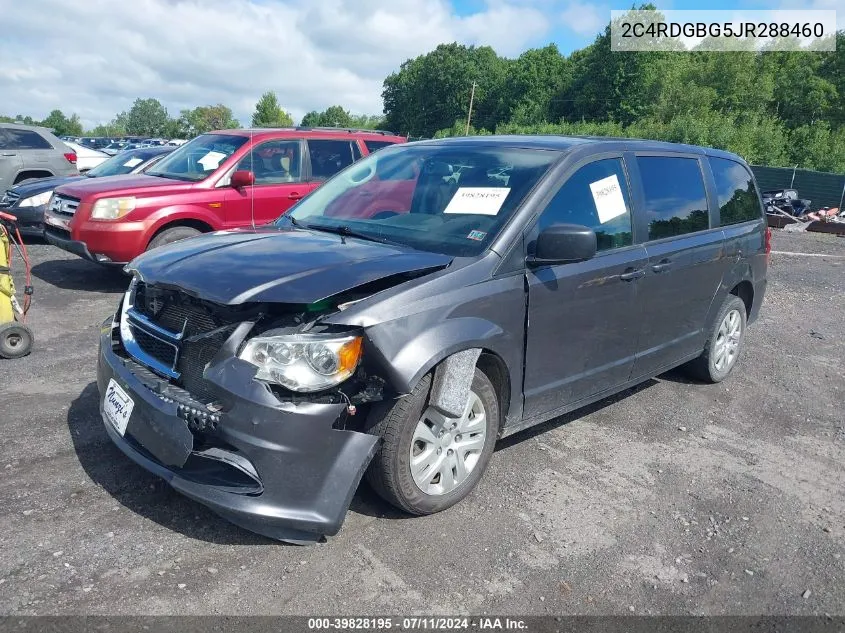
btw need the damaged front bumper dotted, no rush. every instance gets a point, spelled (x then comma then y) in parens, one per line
(279, 469)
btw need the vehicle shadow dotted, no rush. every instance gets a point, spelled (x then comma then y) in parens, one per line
(78, 274)
(136, 489)
(572, 416)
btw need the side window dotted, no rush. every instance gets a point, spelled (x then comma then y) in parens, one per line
(738, 200)
(675, 201)
(274, 162)
(4, 141)
(329, 157)
(356, 151)
(596, 196)
(26, 139)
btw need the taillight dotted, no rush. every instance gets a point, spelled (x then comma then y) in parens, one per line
(768, 245)
(71, 157)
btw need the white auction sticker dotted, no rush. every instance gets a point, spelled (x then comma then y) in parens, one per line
(211, 160)
(607, 194)
(478, 200)
(132, 162)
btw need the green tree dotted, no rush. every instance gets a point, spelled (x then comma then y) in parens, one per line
(62, 125)
(146, 117)
(204, 119)
(268, 112)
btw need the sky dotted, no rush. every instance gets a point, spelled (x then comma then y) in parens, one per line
(94, 57)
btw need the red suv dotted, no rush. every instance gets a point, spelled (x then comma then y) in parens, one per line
(219, 180)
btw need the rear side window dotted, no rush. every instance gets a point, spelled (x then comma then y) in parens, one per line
(596, 196)
(373, 146)
(25, 139)
(329, 157)
(735, 191)
(675, 201)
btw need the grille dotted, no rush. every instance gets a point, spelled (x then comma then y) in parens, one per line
(9, 199)
(183, 317)
(161, 351)
(64, 205)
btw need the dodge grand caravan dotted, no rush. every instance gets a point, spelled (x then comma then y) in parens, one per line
(427, 300)
(217, 181)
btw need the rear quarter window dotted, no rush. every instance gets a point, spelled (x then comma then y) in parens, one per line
(374, 146)
(735, 191)
(675, 199)
(25, 139)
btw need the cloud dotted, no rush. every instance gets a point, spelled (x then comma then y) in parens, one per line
(95, 57)
(585, 19)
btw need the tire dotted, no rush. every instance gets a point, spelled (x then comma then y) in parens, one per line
(15, 340)
(711, 365)
(390, 472)
(175, 234)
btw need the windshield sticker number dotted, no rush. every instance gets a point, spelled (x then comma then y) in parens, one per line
(477, 235)
(211, 160)
(607, 194)
(478, 200)
(132, 162)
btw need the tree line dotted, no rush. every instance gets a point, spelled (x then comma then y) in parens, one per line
(778, 107)
(149, 118)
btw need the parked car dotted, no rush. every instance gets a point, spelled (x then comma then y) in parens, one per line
(115, 147)
(86, 158)
(220, 180)
(399, 323)
(28, 151)
(28, 200)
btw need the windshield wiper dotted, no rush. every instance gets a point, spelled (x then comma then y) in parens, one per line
(340, 230)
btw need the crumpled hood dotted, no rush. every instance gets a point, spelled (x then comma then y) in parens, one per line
(276, 265)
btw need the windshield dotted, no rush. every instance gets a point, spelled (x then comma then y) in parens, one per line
(199, 158)
(442, 198)
(124, 163)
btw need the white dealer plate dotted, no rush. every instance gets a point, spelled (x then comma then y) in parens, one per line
(117, 406)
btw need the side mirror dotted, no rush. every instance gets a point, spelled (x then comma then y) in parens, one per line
(242, 178)
(563, 243)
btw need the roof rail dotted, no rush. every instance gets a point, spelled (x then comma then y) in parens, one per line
(350, 130)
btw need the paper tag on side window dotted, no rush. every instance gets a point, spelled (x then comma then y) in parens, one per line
(132, 162)
(478, 200)
(607, 194)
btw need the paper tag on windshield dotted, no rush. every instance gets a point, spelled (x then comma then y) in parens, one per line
(211, 160)
(132, 162)
(478, 200)
(607, 194)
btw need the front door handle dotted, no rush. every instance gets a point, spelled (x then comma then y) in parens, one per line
(295, 195)
(664, 264)
(8, 154)
(632, 273)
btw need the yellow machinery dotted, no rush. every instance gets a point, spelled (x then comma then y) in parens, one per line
(15, 337)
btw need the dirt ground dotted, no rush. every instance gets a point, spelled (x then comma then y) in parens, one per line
(673, 498)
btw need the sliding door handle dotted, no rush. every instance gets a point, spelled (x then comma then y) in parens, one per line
(632, 273)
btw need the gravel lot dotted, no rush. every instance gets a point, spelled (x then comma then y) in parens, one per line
(674, 498)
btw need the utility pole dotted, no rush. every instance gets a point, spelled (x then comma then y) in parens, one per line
(469, 114)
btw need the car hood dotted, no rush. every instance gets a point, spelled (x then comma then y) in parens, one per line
(127, 185)
(35, 186)
(277, 265)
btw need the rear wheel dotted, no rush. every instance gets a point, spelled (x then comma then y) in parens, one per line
(175, 234)
(15, 340)
(727, 335)
(428, 462)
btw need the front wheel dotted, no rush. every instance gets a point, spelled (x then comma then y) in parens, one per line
(175, 234)
(428, 462)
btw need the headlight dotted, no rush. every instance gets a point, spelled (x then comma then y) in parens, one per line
(112, 208)
(36, 201)
(304, 362)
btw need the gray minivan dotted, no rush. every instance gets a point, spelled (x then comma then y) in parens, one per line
(28, 151)
(421, 304)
